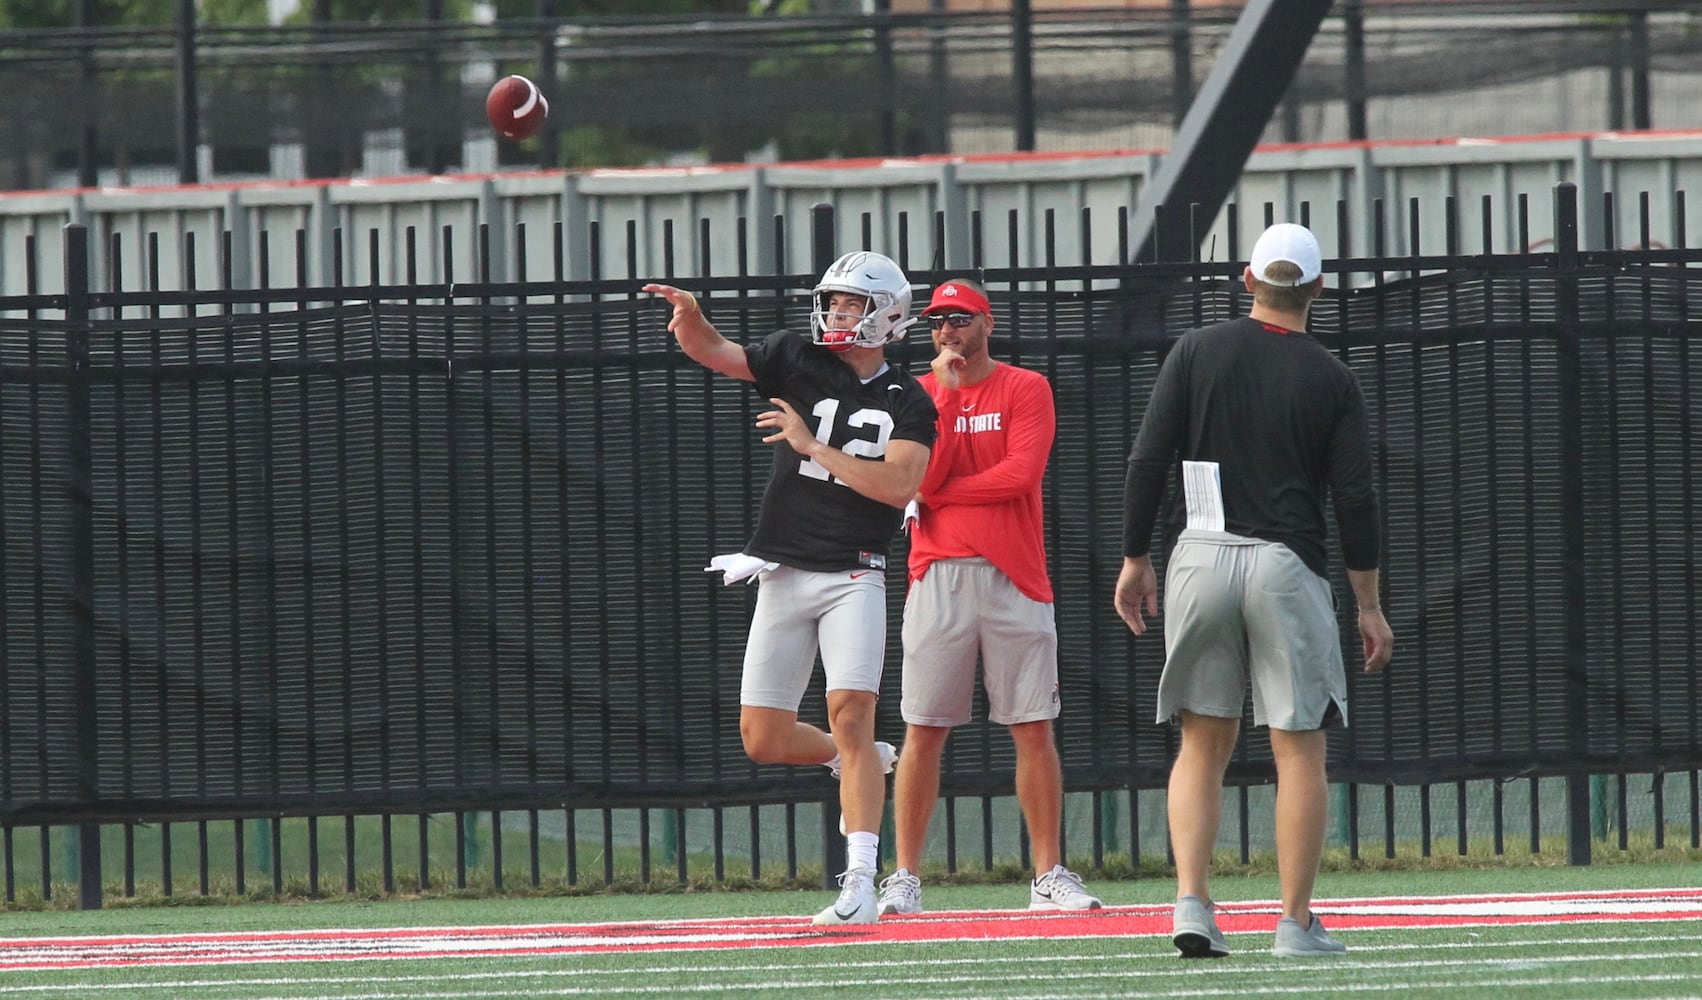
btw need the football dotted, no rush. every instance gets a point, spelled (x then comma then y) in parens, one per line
(516, 108)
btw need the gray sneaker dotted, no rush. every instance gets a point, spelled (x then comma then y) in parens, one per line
(1295, 941)
(901, 892)
(1194, 930)
(1060, 889)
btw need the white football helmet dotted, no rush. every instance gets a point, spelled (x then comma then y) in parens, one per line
(875, 277)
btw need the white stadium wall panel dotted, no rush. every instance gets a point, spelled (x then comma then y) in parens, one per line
(639, 212)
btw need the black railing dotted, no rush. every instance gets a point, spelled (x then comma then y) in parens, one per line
(138, 105)
(361, 553)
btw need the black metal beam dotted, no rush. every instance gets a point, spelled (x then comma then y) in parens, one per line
(1235, 102)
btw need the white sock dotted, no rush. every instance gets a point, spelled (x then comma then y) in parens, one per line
(862, 849)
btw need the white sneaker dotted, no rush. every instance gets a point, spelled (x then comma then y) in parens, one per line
(1061, 889)
(901, 892)
(889, 759)
(856, 902)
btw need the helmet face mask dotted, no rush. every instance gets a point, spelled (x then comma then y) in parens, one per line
(880, 283)
(840, 329)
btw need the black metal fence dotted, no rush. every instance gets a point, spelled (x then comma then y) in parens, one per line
(387, 556)
(102, 104)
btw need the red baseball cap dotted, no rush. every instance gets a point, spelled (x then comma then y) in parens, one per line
(953, 297)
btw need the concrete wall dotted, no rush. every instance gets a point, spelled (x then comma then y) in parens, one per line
(629, 214)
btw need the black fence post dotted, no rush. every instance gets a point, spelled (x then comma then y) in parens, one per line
(88, 88)
(939, 81)
(832, 842)
(886, 71)
(1570, 373)
(1022, 72)
(1616, 78)
(822, 241)
(439, 153)
(1353, 66)
(1639, 43)
(188, 97)
(79, 486)
(549, 145)
(1181, 60)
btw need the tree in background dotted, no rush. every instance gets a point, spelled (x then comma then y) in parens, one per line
(512, 9)
(234, 12)
(63, 13)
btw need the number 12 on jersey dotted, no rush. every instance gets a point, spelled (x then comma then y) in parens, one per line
(862, 423)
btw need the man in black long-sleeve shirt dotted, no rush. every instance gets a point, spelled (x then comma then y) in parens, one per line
(1261, 423)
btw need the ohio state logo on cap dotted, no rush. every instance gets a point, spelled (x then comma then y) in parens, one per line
(952, 297)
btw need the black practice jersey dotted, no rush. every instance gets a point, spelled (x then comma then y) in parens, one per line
(1285, 421)
(809, 520)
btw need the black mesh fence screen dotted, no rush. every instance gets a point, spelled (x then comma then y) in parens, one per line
(379, 551)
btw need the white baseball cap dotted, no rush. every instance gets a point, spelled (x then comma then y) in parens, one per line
(1292, 243)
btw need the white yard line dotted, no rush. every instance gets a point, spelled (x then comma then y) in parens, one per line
(905, 973)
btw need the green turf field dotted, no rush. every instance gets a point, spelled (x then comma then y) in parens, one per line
(1611, 959)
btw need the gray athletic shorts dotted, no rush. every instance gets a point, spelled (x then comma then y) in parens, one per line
(842, 614)
(1240, 609)
(964, 607)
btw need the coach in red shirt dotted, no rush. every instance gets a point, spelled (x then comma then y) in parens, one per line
(979, 589)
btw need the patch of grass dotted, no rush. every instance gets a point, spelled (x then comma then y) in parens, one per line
(443, 883)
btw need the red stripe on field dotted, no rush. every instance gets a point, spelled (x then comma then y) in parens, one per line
(1155, 921)
(772, 932)
(1612, 894)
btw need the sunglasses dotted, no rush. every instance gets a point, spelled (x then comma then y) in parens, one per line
(958, 320)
